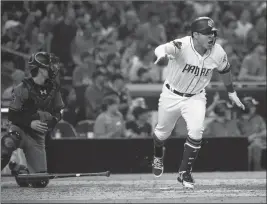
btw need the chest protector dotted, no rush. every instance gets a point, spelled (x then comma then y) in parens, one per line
(41, 98)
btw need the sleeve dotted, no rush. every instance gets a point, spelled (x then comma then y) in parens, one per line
(224, 65)
(58, 103)
(16, 114)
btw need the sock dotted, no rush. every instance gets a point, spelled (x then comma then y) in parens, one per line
(158, 146)
(191, 149)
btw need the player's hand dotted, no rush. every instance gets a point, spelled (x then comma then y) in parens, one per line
(163, 60)
(39, 126)
(234, 98)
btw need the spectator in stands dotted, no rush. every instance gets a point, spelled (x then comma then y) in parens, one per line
(233, 59)
(145, 60)
(72, 107)
(94, 95)
(118, 85)
(137, 102)
(223, 125)
(128, 28)
(243, 25)
(7, 68)
(253, 126)
(127, 58)
(140, 126)
(152, 32)
(173, 26)
(17, 77)
(143, 76)
(83, 42)
(83, 72)
(110, 123)
(229, 25)
(64, 34)
(257, 33)
(254, 65)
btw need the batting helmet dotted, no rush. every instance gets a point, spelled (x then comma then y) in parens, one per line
(203, 25)
(45, 60)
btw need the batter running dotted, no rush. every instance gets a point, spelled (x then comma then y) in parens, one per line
(190, 62)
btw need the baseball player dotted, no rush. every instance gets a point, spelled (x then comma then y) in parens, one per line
(33, 113)
(190, 62)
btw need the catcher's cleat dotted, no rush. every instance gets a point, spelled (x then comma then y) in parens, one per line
(158, 166)
(186, 179)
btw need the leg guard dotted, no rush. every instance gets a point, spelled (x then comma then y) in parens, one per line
(9, 143)
(17, 169)
(40, 182)
(191, 149)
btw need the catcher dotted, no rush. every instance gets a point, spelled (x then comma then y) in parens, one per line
(33, 113)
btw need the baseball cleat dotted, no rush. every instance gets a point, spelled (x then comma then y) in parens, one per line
(186, 179)
(158, 166)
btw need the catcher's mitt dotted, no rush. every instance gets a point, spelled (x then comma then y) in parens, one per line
(47, 118)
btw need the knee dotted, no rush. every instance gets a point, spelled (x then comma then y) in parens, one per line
(9, 143)
(161, 134)
(196, 133)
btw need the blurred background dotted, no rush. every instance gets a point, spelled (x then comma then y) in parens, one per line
(109, 82)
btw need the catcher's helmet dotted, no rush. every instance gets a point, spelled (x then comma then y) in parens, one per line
(45, 60)
(203, 25)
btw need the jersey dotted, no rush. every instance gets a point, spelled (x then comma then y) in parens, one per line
(28, 97)
(189, 72)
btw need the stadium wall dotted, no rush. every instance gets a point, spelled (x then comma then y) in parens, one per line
(135, 155)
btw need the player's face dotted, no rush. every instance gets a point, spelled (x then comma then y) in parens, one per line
(44, 73)
(206, 40)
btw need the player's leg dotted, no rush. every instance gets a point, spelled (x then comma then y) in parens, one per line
(9, 143)
(193, 112)
(168, 114)
(35, 155)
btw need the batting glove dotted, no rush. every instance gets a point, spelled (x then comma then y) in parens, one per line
(234, 98)
(163, 60)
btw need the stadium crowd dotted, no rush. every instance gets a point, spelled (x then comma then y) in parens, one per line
(105, 45)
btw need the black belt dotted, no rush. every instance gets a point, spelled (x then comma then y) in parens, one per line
(178, 93)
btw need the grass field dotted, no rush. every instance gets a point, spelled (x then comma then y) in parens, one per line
(216, 187)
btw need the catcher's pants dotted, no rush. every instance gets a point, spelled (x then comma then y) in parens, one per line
(33, 147)
(172, 106)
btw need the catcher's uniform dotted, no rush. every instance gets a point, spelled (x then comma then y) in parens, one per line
(40, 102)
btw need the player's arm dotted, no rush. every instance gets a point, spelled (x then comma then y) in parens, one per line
(225, 72)
(56, 113)
(167, 51)
(16, 114)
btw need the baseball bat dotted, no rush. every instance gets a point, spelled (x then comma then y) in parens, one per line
(63, 175)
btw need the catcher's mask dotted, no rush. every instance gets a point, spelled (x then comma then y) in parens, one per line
(45, 60)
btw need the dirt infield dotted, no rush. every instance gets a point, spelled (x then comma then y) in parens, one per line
(216, 187)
